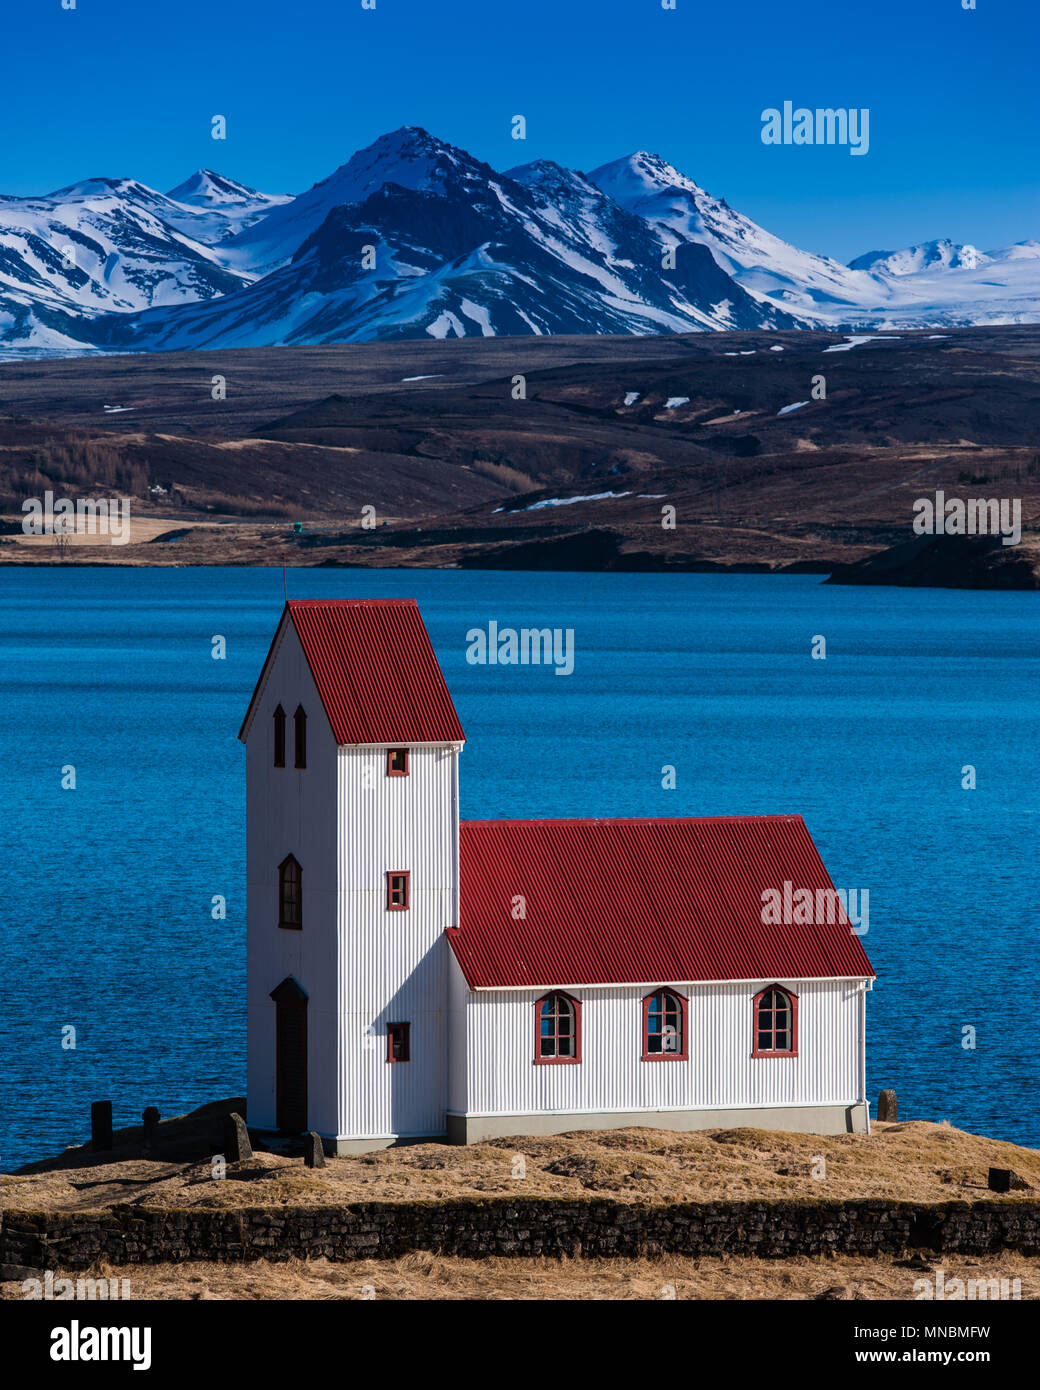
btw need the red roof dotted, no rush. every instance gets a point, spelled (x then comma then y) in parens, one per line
(641, 902)
(375, 670)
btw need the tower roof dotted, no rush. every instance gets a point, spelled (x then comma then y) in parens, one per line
(643, 902)
(375, 670)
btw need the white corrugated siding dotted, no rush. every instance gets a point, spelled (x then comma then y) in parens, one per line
(291, 812)
(393, 965)
(458, 995)
(501, 1077)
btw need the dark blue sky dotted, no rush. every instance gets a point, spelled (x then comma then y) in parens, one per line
(128, 87)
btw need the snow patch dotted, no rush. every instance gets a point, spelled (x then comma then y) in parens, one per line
(479, 315)
(567, 501)
(786, 410)
(439, 327)
(674, 402)
(857, 338)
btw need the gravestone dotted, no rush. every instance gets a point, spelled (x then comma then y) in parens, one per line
(150, 1119)
(887, 1107)
(101, 1125)
(236, 1139)
(313, 1152)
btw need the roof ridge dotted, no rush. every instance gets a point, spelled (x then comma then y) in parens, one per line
(352, 603)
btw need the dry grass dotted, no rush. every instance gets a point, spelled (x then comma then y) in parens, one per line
(915, 1160)
(425, 1276)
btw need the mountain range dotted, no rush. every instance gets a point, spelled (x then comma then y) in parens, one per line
(415, 238)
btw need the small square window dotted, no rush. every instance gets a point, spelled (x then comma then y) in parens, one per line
(398, 885)
(397, 762)
(398, 1042)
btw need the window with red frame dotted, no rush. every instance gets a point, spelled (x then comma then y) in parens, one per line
(398, 890)
(664, 1027)
(776, 1019)
(398, 1042)
(558, 1024)
(397, 762)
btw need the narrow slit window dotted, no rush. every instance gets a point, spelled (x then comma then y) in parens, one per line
(397, 762)
(398, 890)
(300, 736)
(279, 737)
(398, 1042)
(290, 894)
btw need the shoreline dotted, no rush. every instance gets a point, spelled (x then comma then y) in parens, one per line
(947, 562)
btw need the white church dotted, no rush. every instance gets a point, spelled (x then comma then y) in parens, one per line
(411, 975)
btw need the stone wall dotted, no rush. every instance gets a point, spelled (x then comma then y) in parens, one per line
(547, 1226)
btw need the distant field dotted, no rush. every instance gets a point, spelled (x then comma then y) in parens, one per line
(469, 453)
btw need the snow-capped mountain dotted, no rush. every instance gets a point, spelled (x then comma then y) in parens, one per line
(930, 255)
(767, 267)
(101, 246)
(1019, 251)
(413, 237)
(950, 289)
(218, 208)
(593, 222)
(410, 158)
(457, 250)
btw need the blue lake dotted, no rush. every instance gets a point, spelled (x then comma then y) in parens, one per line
(106, 890)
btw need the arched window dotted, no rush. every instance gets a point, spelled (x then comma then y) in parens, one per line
(557, 1029)
(300, 735)
(279, 737)
(664, 1027)
(290, 894)
(776, 1023)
